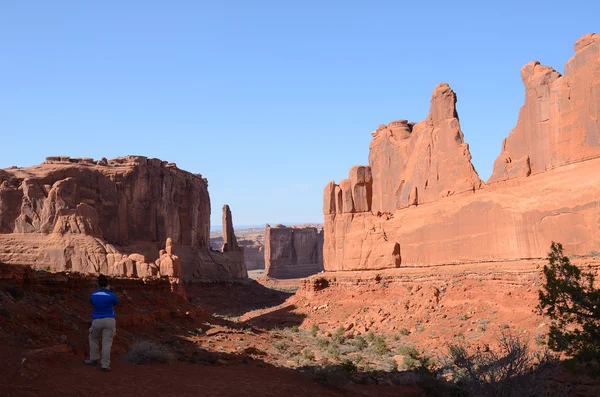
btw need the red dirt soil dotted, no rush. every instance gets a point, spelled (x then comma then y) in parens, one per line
(43, 341)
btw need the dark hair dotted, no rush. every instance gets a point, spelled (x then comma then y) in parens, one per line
(102, 280)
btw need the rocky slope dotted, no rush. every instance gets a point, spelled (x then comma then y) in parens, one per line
(420, 201)
(91, 216)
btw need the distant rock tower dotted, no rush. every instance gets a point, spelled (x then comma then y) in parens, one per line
(231, 249)
(230, 243)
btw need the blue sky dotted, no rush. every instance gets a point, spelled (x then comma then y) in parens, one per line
(267, 99)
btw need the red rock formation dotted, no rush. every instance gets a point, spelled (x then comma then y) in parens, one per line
(292, 252)
(231, 250)
(85, 216)
(415, 167)
(558, 124)
(230, 243)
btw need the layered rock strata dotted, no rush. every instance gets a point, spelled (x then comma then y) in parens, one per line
(88, 216)
(420, 202)
(292, 252)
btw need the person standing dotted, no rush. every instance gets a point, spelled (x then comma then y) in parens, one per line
(103, 323)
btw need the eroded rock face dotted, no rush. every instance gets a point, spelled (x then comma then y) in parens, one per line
(230, 243)
(414, 167)
(89, 216)
(409, 164)
(292, 252)
(231, 249)
(559, 123)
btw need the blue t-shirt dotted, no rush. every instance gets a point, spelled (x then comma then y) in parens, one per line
(103, 301)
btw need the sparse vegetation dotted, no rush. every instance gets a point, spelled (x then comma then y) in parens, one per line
(295, 329)
(572, 302)
(145, 352)
(322, 343)
(379, 345)
(464, 317)
(334, 351)
(404, 331)
(314, 330)
(308, 354)
(338, 336)
(505, 372)
(415, 360)
(282, 347)
(359, 342)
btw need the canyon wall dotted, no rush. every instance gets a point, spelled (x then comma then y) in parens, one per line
(293, 252)
(86, 216)
(420, 202)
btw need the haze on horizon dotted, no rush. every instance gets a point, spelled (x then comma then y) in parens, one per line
(268, 100)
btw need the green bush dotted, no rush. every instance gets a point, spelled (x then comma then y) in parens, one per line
(379, 345)
(308, 354)
(338, 336)
(572, 302)
(359, 342)
(313, 330)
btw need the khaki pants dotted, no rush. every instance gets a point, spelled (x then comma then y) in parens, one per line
(107, 328)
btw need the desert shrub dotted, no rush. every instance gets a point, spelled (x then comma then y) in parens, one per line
(336, 376)
(359, 342)
(572, 302)
(334, 351)
(308, 354)
(358, 359)
(404, 332)
(390, 365)
(415, 360)
(145, 352)
(379, 345)
(313, 330)
(322, 343)
(370, 336)
(281, 347)
(505, 372)
(295, 329)
(464, 317)
(338, 336)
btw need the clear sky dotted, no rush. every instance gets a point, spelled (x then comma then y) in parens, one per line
(267, 99)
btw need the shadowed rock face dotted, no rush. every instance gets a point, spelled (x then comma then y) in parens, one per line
(293, 252)
(85, 216)
(420, 201)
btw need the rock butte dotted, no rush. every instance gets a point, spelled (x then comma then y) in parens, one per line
(293, 252)
(420, 201)
(110, 216)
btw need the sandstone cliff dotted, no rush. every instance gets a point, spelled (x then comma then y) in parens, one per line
(84, 215)
(559, 123)
(420, 201)
(292, 252)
